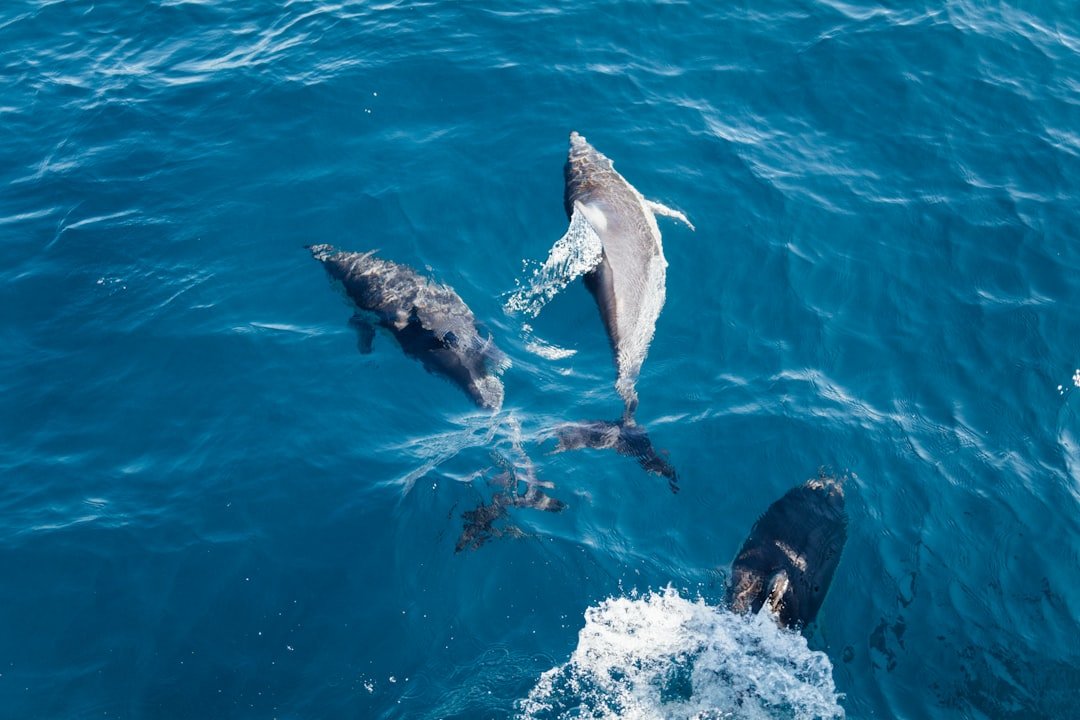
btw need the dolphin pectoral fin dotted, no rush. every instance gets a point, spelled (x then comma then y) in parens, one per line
(660, 209)
(365, 333)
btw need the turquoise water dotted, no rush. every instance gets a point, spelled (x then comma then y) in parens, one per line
(214, 507)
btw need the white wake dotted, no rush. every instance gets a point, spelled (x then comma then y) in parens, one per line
(574, 254)
(541, 347)
(663, 656)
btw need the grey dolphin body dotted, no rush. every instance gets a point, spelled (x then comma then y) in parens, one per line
(789, 559)
(428, 319)
(628, 282)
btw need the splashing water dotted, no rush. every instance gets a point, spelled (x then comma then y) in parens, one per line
(574, 254)
(663, 656)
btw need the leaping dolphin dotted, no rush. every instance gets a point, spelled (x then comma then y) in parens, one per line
(428, 319)
(614, 241)
(789, 559)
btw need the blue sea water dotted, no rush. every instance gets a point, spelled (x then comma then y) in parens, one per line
(214, 507)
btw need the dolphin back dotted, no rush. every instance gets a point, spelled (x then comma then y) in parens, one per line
(788, 561)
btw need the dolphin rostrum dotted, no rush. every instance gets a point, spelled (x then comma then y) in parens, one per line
(428, 319)
(789, 559)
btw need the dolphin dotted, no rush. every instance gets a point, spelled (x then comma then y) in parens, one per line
(480, 524)
(788, 561)
(428, 319)
(627, 276)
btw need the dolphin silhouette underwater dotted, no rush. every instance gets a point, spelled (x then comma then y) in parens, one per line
(429, 320)
(788, 561)
(617, 244)
(433, 324)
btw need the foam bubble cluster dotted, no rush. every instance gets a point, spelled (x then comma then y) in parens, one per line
(663, 656)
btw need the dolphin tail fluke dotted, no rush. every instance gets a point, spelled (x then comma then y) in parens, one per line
(624, 437)
(661, 209)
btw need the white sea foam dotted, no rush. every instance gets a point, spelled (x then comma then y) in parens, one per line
(548, 351)
(541, 347)
(282, 327)
(574, 254)
(663, 656)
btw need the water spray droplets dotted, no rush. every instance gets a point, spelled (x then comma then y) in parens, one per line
(574, 254)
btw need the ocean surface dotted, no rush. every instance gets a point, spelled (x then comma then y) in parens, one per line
(214, 506)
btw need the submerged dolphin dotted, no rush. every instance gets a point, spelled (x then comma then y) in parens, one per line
(626, 274)
(480, 524)
(428, 319)
(792, 552)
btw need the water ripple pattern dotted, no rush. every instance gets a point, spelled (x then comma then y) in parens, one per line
(214, 506)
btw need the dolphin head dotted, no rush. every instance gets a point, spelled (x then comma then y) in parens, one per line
(322, 251)
(578, 142)
(340, 262)
(587, 173)
(584, 154)
(340, 265)
(788, 561)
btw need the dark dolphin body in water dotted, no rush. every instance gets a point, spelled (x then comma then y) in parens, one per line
(428, 319)
(791, 555)
(628, 281)
(432, 324)
(481, 523)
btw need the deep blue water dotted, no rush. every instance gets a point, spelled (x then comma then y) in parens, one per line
(214, 507)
